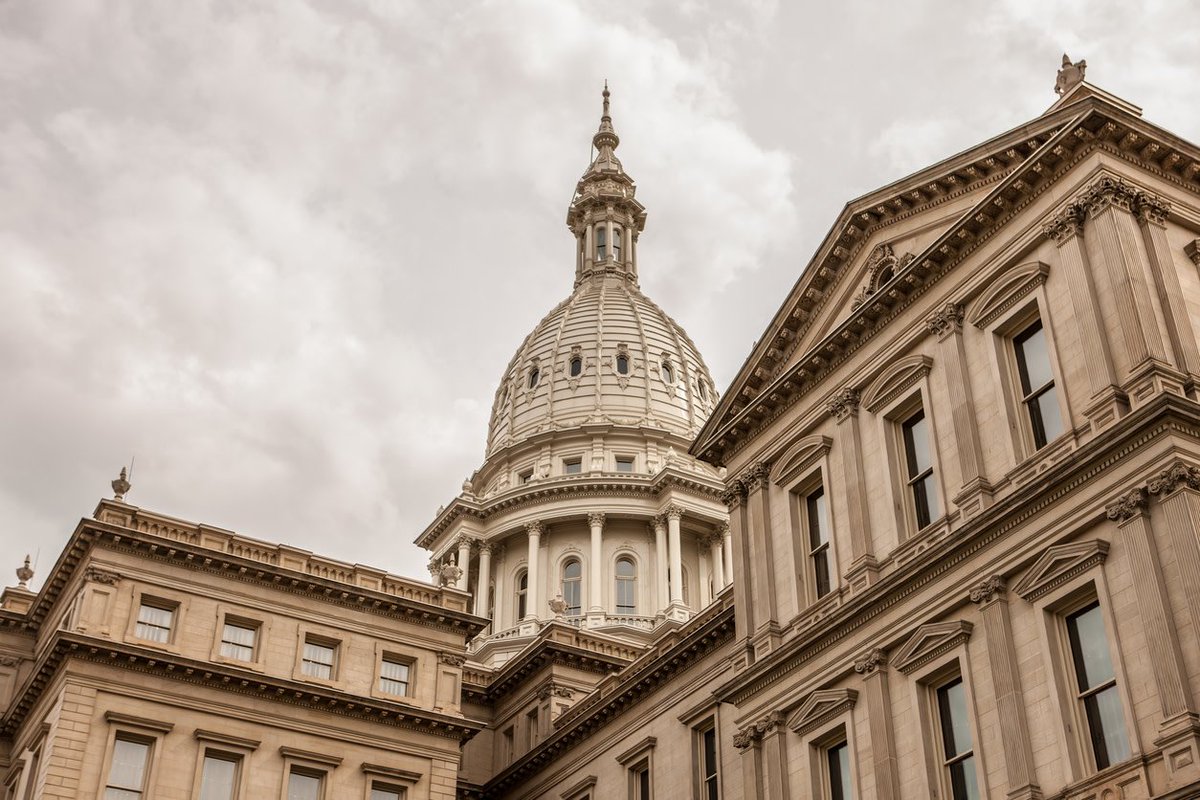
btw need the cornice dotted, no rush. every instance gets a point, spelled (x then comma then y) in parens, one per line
(549, 648)
(1165, 414)
(64, 647)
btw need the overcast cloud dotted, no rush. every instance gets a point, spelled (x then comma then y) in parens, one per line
(282, 252)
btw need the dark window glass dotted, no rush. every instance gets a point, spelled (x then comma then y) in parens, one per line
(626, 588)
(958, 755)
(534, 374)
(1037, 384)
(576, 367)
(1097, 684)
(818, 540)
(919, 460)
(572, 586)
(838, 762)
(641, 782)
(601, 240)
(708, 767)
(622, 364)
(522, 591)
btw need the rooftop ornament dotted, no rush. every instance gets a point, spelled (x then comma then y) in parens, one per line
(24, 573)
(121, 485)
(1070, 76)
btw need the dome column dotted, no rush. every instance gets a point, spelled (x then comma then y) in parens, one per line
(660, 563)
(718, 562)
(677, 609)
(464, 563)
(596, 571)
(483, 585)
(727, 553)
(532, 593)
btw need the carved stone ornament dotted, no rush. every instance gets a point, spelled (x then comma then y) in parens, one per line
(449, 573)
(1152, 209)
(1066, 224)
(558, 606)
(674, 512)
(596, 518)
(451, 659)
(1192, 251)
(871, 662)
(121, 485)
(1128, 505)
(487, 547)
(435, 569)
(820, 707)
(988, 589)
(1070, 75)
(946, 320)
(734, 494)
(1108, 192)
(1174, 477)
(535, 528)
(24, 573)
(103, 576)
(757, 476)
(844, 403)
(929, 642)
(9, 661)
(746, 737)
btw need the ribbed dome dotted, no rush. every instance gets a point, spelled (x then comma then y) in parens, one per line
(606, 324)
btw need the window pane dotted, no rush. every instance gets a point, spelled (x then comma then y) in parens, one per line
(317, 660)
(576, 367)
(384, 794)
(1089, 647)
(818, 529)
(1107, 724)
(1047, 420)
(623, 364)
(303, 787)
(821, 572)
(128, 765)
(625, 568)
(624, 465)
(572, 467)
(218, 778)
(1033, 359)
(916, 444)
(962, 779)
(952, 707)
(393, 677)
(237, 641)
(839, 772)
(925, 499)
(154, 623)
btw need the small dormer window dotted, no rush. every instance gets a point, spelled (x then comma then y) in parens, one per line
(668, 372)
(601, 242)
(576, 367)
(616, 243)
(622, 363)
(534, 374)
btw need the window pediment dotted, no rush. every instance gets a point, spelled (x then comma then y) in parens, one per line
(820, 707)
(929, 642)
(801, 456)
(896, 379)
(1058, 564)
(1005, 290)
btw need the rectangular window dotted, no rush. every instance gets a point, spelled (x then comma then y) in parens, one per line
(525, 477)
(958, 756)
(1037, 384)
(154, 621)
(506, 744)
(238, 640)
(573, 466)
(317, 661)
(35, 765)
(380, 791)
(219, 776)
(818, 540)
(706, 745)
(918, 458)
(393, 676)
(624, 464)
(127, 774)
(305, 785)
(837, 764)
(531, 729)
(1096, 684)
(639, 781)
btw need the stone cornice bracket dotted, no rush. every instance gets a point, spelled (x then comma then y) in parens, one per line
(1174, 477)
(451, 659)
(734, 494)
(1108, 192)
(947, 320)
(1066, 224)
(9, 661)
(844, 403)
(535, 528)
(1128, 505)
(1192, 251)
(674, 512)
(596, 518)
(1151, 209)
(989, 589)
(871, 663)
(97, 575)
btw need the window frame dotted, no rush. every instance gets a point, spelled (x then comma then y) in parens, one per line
(572, 558)
(894, 417)
(700, 774)
(819, 743)
(304, 762)
(156, 597)
(622, 458)
(520, 595)
(143, 730)
(387, 655)
(1030, 395)
(237, 616)
(572, 461)
(625, 555)
(326, 637)
(231, 748)
(637, 760)
(390, 779)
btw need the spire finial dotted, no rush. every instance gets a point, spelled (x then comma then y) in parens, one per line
(24, 573)
(121, 485)
(605, 94)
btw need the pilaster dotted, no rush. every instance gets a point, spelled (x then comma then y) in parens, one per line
(873, 669)
(734, 498)
(1152, 215)
(767, 632)
(677, 608)
(864, 568)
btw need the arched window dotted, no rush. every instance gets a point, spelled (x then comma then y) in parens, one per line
(626, 580)
(576, 366)
(534, 374)
(668, 372)
(572, 586)
(703, 390)
(522, 594)
(601, 242)
(622, 363)
(885, 275)
(616, 243)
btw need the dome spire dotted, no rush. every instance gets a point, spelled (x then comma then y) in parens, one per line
(606, 137)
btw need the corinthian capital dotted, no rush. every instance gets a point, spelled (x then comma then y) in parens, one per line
(674, 512)
(947, 320)
(1128, 505)
(756, 476)
(988, 589)
(1066, 225)
(535, 528)
(871, 662)
(843, 403)
(1192, 251)
(734, 494)
(1151, 209)
(1174, 477)
(1108, 192)
(596, 518)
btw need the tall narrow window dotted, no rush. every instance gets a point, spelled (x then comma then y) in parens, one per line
(706, 746)
(837, 764)
(818, 540)
(572, 586)
(219, 776)
(618, 237)
(576, 367)
(626, 588)
(919, 459)
(238, 640)
(380, 791)
(639, 781)
(127, 774)
(534, 374)
(394, 675)
(154, 621)
(958, 756)
(1096, 683)
(601, 242)
(305, 785)
(522, 594)
(668, 372)
(531, 728)
(1037, 384)
(622, 363)
(317, 659)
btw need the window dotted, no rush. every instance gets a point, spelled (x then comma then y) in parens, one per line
(394, 676)
(525, 477)
(958, 756)
(238, 640)
(601, 242)
(703, 390)
(573, 466)
(817, 521)
(219, 776)
(127, 774)
(317, 660)
(919, 460)
(531, 728)
(706, 762)
(522, 594)
(572, 586)
(639, 781)
(35, 766)
(626, 579)
(624, 464)
(1096, 685)
(668, 372)
(616, 243)
(837, 771)
(622, 363)
(534, 374)
(382, 791)
(154, 621)
(506, 744)
(1037, 384)
(576, 367)
(305, 784)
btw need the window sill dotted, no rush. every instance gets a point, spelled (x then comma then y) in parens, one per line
(817, 610)
(922, 540)
(166, 648)
(1042, 460)
(329, 683)
(1126, 779)
(253, 666)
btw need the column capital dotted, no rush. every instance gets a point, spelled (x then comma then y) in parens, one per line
(844, 403)
(1128, 505)
(1151, 209)
(723, 529)
(946, 320)
(1108, 192)
(535, 528)
(596, 518)
(870, 663)
(1174, 477)
(989, 589)
(464, 541)
(747, 737)
(1066, 224)
(486, 547)
(756, 476)
(673, 512)
(1192, 251)
(734, 494)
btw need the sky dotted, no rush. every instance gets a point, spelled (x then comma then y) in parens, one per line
(281, 253)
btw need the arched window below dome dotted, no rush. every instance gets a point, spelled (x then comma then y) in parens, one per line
(622, 363)
(616, 243)
(702, 389)
(576, 367)
(522, 594)
(668, 372)
(601, 241)
(626, 586)
(572, 586)
(534, 375)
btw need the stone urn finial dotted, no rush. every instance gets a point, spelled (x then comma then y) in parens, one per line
(121, 485)
(24, 573)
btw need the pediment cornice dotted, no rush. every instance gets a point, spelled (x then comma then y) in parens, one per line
(1059, 564)
(930, 641)
(819, 708)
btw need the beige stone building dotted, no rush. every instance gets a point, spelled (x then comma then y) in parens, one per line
(939, 538)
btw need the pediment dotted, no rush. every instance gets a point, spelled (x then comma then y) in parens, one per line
(894, 381)
(929, 642)
(819, 708)
(801, 456)
(1006, 290)
(1059, 564)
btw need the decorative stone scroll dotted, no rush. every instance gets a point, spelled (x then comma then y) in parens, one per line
(844, 403)
(946, 320)
(1176, 476)
(988, 589)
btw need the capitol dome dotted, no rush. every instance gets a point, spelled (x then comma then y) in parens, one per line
(606, 354)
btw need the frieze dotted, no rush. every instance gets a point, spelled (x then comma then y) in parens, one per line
(1128, 505)
(9, 661)
(1176, 476)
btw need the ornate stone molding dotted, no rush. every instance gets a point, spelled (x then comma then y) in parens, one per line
(1065, 225)
(929, 642)
(757, 476)
(488, 547)
(871, 663)
(746, 737)
(1058, 565)
(947, 320)
(754, 732)
(9, 661)
(821, 707)
(554, 690)
(1192, 251)
(596, 518)
(734, 494)
(988, 589)
(673, 512)
(799, 458)
(1128, 505)
(1108, 192)
(1151, 209)
(535, 528)
(1174, 477)
(94, 574)
(451, 659)
(844, 403)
